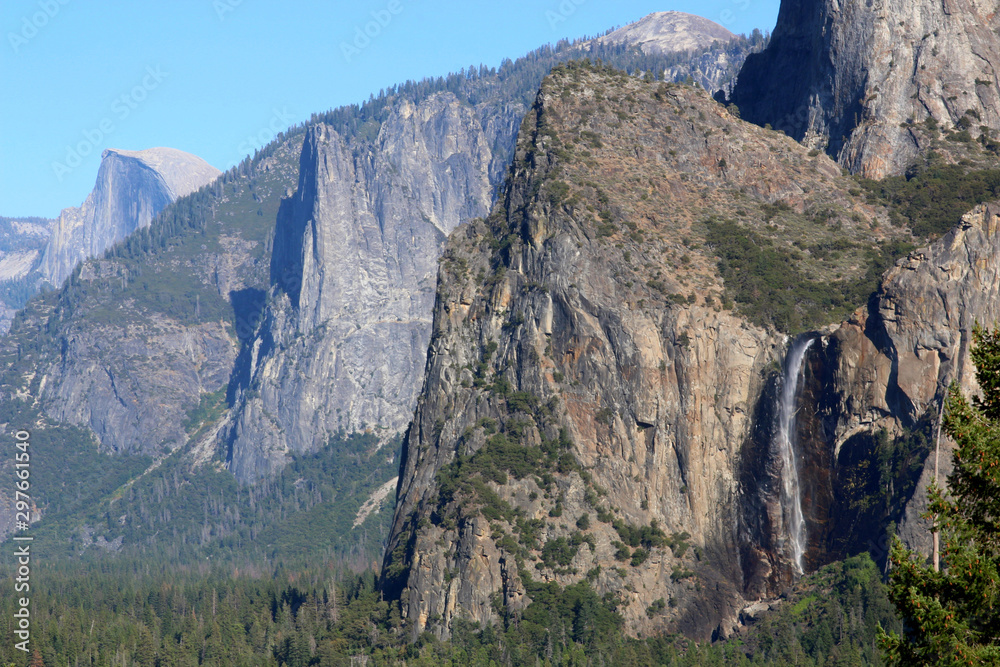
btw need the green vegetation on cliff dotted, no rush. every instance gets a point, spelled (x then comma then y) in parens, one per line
(931, 198)
(771, 287)
(187, 514)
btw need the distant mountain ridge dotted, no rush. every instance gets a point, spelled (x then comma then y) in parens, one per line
(131, 189)
(22, 241)
(669, 32)
(179, 343)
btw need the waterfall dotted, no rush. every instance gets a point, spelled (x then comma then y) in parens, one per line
(791, 498)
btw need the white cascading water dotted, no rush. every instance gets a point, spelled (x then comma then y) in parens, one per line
(791, 497)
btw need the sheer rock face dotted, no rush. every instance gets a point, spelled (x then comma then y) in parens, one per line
(130, 372)
(618, 333)
(22, 241)
(136, 407)
(343, 344)
(895, 362)
(848, 75)
(132, 188)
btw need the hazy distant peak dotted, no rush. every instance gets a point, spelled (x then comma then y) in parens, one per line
(181, 172)
(665, 32)
(132, 188)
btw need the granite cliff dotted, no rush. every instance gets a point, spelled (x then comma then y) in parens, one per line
(132, 188)
(136, 337)
(22, 241)
(871, 82)
(592, 403)
(189, 337)
(344, 339)
(892, 362)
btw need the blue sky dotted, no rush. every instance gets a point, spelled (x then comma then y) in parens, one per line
(218, 77)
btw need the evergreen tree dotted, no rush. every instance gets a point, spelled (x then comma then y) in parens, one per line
(952, 617)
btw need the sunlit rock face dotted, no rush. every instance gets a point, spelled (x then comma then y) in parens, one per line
(354, 268)
(132, 188)
(855, 77)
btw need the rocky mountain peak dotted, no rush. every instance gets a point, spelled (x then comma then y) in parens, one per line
(182, 173)
(590, 390)
(132, 188)
(872, 82)
(669, 32)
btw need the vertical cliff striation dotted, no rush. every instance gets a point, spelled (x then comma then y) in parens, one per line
(132, 188)
(589, 405)
(863, 79)
(176, 316)
(343, 343)
(344, 340)
(894, 361)
(134, 343)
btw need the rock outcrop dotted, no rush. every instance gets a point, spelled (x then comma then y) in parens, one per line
(343, 344)
(132, 188)
(894, 361)
(715, 69)
(132, 358)
(182, 309)
(583, 378)
(861, 79)
(669, 32)
(700, 49)
(139, 408)
(22, 241)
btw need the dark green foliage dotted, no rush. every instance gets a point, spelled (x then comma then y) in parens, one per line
(559, 552)
(658, 606)
(876, 477)
(932, 199)
(771, 210)
(461, 485)
(16, 292)
(139, 614)
(64, 498)
(210, 407)
(639, 557)
(650, 536)
(771, 289)
(303, 513)
(101, 614)
(833, 621)
(558, 191)
(952, 616)
(678, 544)
(575, 614)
